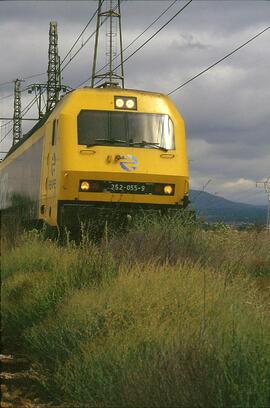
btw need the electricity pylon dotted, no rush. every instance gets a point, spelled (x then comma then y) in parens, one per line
(54, 72)
(266, 185)
(17, 114)
(109, 72)
(53, 85)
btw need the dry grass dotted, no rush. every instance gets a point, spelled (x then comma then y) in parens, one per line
(166, 315)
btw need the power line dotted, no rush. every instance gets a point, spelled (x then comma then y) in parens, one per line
(6, 83)
(7, 96)
(86, 41)
(136, 39)
(112, 30)
(220, 60)
(82, 46)
(24, 112)
(35, 99)
(44, 73)
(7, 123)
(147, 28)
(152, 36)
(6, 135)
(12, 94)
(24, 78)
(34, 76)
(30, 105)
(83, 31)
(147, 41)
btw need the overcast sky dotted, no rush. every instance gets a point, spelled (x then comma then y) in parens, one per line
(226, 110)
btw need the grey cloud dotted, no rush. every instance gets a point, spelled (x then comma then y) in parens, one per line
(226, 110)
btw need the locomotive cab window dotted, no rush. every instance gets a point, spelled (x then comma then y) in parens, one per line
(145, 130)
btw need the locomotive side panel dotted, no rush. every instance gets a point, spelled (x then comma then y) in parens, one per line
(20, 177)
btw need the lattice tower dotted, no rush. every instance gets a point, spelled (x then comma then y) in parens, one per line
(54, 72)
(17, 114)
(113, 73)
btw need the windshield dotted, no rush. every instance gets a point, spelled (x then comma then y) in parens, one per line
(145, 130)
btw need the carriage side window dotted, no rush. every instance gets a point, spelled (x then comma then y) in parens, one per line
(54, 132)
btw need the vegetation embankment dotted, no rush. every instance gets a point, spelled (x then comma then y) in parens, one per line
(165, 315)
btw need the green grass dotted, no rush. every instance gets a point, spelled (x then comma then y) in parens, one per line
(165, 315)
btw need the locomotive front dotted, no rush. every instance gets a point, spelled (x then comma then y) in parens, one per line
(120, 149)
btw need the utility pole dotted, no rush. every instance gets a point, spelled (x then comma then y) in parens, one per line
(17, 114)
(109, 75)
(54, 72)
(266, 185)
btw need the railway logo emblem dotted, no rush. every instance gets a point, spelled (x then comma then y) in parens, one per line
(129, 163)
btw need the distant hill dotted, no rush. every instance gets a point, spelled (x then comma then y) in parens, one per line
(214, 208)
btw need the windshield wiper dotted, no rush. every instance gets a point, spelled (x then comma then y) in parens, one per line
(142, 143)
(145, 143)
(112, 141)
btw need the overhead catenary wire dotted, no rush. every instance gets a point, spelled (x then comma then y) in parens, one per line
(80, 35)
(6, 96)
(137, 38)
(85, 42)
(24, 78)
(6, 135)
(12, 94)
(150, 25)
(217, 62)
(66, 56)
(34, 76)
(24, 112)
(7, 123)
(30, 105)
(69, 61)
(181, 85)
(6, 83)
(146, 41)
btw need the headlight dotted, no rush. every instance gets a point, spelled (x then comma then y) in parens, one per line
(130, 103)
(85, 186)
(168, 190)
(119, 103)
(125, 102)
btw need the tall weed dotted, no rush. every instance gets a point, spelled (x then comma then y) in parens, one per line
(166, 314)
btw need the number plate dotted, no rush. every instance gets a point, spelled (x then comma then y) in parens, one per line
(127, 188)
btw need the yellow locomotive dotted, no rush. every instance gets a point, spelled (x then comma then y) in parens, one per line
(99, 149)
